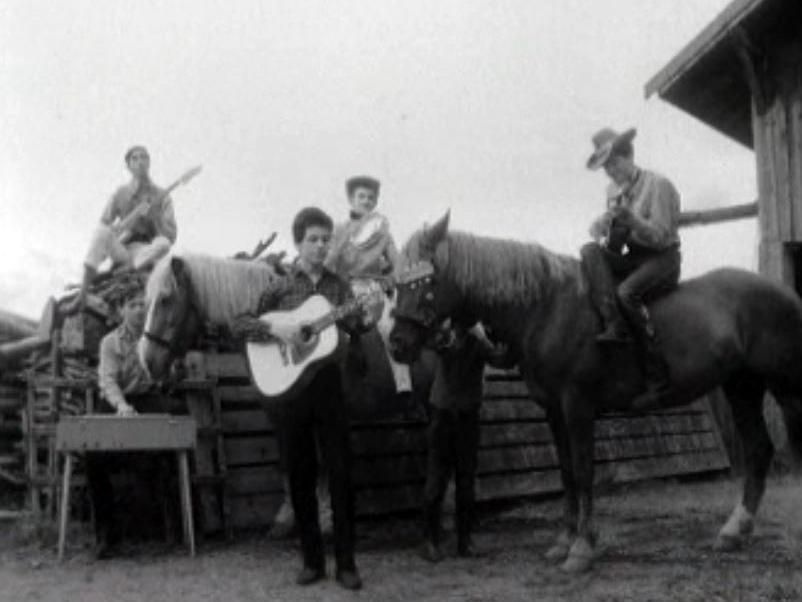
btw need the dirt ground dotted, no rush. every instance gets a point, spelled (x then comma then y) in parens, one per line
(655, 546)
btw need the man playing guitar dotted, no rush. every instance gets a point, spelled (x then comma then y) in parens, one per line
(137, 226)
(320, 405)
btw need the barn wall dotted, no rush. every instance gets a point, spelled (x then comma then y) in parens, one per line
(778, 152)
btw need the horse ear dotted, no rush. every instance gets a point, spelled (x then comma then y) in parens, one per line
(177, 265)
(436, 233)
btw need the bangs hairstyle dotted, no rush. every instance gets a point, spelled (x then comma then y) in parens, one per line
(362, 182)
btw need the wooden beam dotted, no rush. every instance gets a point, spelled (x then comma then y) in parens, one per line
(750, 56)
(716, 216)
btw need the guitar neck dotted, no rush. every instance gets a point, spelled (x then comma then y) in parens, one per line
(132, 217)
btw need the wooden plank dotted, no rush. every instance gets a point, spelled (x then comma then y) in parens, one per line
(718, 215)
(246, 421)
(495, 486)
(376, 501)
(795, 147)
(203, 462)
(226, 365)
(254, 510)
(711, 36)
(254, 480)
(660, 466)
(611, 428)
(513, 433)
(505, 389)
(250, 450)
(511, 410)
(232, 394)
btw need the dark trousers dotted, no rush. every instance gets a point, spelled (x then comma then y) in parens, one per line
(453, 444)
(320, 409)
(630, 280)
(153, 471)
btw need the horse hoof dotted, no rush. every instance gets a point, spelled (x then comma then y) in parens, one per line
(576, 564)
(557, 552)
(728, 543)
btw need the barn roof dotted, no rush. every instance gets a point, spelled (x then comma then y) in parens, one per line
(707, 78)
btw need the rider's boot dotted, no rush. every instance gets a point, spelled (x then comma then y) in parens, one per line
(615, 328)
(655, 368)
(78, 303)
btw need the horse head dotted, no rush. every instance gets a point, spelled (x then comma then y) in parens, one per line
(172, 320)
(423, 299)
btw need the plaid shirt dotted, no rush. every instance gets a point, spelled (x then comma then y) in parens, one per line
(292, 290)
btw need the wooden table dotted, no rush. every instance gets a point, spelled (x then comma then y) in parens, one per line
(110, 433)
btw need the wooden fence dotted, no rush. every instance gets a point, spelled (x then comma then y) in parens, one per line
(516, 457)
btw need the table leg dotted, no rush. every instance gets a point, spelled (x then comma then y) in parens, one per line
(186, 501)
(65, 506)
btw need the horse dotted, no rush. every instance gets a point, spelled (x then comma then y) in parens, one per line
(728, 328)
(185, 292)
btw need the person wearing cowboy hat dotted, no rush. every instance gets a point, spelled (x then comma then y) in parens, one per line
(635, 253)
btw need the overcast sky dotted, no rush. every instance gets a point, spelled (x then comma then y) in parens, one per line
(486, 107)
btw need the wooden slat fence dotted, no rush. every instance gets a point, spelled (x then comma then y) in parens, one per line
(516, 455)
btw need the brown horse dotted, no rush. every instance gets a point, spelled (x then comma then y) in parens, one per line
(729, 328)
(184, 293)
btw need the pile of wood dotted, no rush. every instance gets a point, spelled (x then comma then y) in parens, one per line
(12, 456)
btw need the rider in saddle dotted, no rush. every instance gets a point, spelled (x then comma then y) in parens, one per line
(364, 253)
(150, 236)
(635, 254)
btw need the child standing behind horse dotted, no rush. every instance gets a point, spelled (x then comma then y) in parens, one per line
(453, 433)
(319, 408)
(363, 252)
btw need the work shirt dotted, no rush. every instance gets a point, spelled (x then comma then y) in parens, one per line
(159, 220)
(291, 290)
(459, 374)
(363, 247)
(655, 203)
(120, 373)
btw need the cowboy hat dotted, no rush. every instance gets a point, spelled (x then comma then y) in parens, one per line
(606, 140)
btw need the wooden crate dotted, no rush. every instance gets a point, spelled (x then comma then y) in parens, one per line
(516, 456)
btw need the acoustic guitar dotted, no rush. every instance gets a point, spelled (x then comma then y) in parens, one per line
(123, 229)
(281, 369)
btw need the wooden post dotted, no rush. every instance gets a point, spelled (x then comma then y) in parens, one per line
(199, 405)
(64, 510)
(777, 131)
(186, 501)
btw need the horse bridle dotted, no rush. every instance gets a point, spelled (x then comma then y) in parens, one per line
(158, 340)
(164, 342)
(418, 275)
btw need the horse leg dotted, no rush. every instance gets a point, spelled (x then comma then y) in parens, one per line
(745, 395)
(565, 537)
(579, 417)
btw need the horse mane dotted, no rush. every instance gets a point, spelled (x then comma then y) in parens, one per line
(223, 288)
(493, 271)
